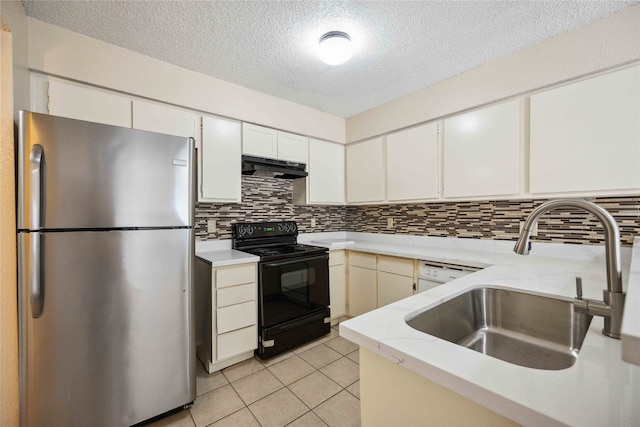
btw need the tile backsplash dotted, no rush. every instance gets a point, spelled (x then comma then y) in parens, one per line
(266, 199)
(270, 199)
(497, 220)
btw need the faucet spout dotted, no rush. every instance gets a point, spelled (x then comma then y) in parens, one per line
(613, 297)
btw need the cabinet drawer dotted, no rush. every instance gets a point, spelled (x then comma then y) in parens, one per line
(360, 259)
(237, 342)
(336, 258)
(235, 275)
(236, 295)
(395, 265)
(236, 316)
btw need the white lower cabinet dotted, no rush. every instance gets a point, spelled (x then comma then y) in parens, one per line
(396, 279)
(378, 280)
(362, 283)
(226, 314)
(237, 342)
(362, 290)
(337, 284)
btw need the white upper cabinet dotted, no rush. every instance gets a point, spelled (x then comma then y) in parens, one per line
(292, 147)
(326, 172)
(365, 171)
(261, 141)
(413, 164)
(87, 103)
(586, 136)
(163, 119)
(220, 160)
(482, 152)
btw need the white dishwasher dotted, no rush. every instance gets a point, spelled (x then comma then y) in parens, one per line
(432, 274)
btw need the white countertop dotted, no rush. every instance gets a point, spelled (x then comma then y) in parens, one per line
(598, 390)
(220, 254)
(631, 317)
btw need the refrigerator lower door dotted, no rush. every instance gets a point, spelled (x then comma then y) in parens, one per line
(113, 345)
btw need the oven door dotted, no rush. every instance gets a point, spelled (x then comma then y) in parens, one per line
(293, 288)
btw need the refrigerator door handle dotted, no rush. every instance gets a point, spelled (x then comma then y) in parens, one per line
(36, 161)
(36, 294)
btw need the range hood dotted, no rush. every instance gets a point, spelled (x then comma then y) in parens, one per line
(273, 168)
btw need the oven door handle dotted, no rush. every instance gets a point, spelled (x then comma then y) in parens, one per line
(295, 260)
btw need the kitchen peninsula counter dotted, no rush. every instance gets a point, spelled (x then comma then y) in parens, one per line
(599, 389)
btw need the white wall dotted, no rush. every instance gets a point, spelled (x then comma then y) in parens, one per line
(63, 53)
(16, 19)
(598, 46)
(8, 288)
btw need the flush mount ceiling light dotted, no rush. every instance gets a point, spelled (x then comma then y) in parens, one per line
(335, 48)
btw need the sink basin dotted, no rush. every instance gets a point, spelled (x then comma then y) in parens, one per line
(524, 329)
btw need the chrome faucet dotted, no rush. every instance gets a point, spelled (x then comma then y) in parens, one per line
(613, 298)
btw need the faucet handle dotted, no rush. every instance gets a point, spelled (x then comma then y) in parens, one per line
(579, 288)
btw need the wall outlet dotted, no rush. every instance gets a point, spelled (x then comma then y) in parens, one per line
(389, 222)
(211, 226)
(313, 222)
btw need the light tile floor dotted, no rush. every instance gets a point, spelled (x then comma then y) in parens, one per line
(316, 384)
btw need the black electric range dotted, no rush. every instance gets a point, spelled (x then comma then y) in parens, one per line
(293, 285)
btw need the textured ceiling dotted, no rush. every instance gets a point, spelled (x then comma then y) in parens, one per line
(400, 46)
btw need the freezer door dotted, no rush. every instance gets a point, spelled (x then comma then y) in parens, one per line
(114, 344)
(82, 175)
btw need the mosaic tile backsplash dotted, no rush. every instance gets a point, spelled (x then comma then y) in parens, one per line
(270, 199)
(266, 199)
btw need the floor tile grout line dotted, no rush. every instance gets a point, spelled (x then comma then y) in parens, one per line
(275, 391)
(310, 411)
(284, 386)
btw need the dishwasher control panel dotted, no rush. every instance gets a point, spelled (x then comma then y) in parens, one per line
(431, 274)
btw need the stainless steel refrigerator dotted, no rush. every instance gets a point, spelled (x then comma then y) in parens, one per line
(105, 270)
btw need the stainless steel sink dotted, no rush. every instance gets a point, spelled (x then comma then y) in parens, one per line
(527, 330)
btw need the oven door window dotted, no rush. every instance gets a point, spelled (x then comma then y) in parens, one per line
(293, 288)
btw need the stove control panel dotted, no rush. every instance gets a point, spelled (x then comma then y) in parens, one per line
(244, 230)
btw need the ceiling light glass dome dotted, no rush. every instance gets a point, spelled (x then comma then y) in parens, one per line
(335, 48)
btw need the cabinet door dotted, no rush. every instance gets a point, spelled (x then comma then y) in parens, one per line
(326, 172)
(585, 136)
(221, 158)
(482, 152)
(362, 290)
(292, 147)
(412, 164)
(393, 287)
(86, 103)
(365, 171)
(337, 290)
(259, 141)
(163, 119)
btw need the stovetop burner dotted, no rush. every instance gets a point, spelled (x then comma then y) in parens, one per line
(272, 252)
